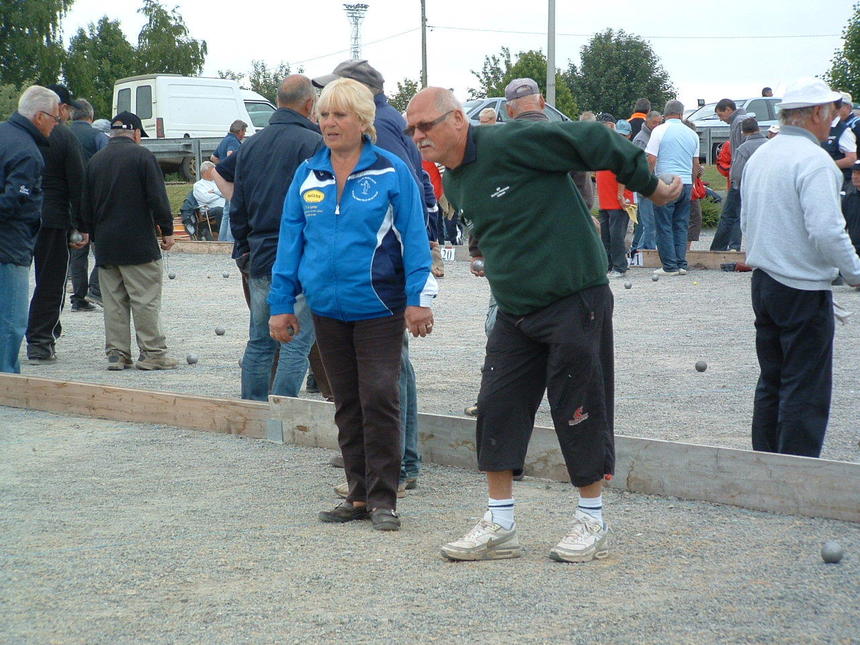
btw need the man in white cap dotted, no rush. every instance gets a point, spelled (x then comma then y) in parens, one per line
(796, 241)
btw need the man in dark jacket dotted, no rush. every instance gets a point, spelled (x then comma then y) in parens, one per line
(91, 141)
(124, 200)
(728, 234)
(62, 178)
(21, 165)
(264, 170)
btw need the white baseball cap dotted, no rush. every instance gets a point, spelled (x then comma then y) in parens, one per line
(807, 92)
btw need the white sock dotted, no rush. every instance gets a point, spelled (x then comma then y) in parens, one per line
(593, 506)
(502, 511)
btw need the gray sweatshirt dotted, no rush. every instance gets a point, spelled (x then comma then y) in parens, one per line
(791, 215)
(741, 156)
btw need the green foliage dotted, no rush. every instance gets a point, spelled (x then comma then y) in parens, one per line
(96, 58)
(406, 89)
(230, 74)
(9, 95)
(265, 80)
(844, 73)
(615, 69)
(164, 45)
(30, 46)
(498, 71)
(710, 213)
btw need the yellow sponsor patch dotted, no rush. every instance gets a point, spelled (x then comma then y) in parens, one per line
(314, 196)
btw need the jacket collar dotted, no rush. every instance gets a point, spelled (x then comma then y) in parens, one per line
(286, 116)
(793, 130)
(19, 120)
(470, 154)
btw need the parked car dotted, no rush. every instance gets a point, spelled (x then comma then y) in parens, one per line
(713, 132)
(474, 107)
(173, 106)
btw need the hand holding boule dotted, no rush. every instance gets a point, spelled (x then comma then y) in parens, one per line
(666, 192)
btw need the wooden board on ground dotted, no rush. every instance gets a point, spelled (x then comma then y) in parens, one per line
(246, 418)
(696, 259)
(199, 246)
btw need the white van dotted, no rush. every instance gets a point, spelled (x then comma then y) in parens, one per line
(171, 106)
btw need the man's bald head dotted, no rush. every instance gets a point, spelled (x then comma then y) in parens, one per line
(438, 126)
(297, 93)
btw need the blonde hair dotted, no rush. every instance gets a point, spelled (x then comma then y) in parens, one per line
(350, 96)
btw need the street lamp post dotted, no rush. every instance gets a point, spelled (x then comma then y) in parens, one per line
(550, 54)
(423, 44)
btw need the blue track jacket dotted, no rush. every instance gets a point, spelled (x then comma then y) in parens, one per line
(365, 257)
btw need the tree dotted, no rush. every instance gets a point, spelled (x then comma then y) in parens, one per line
(164, 45)
(406, 89)
(498, 71)
(230, 74)
(9, 95)
(844, 73)
(30, 46)
(266, 81)
(96, 58)
(615, 69)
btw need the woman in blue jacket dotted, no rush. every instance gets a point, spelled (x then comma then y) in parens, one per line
(353, 239)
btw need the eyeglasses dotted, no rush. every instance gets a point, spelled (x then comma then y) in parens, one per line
(426, 126)
(56, 118)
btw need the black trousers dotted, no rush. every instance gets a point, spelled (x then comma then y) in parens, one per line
(728, 235)
(51, 263)
(794, 343)
(78, 270)
(613, 230)
(566, 350)
(851, 211)
(362, 362)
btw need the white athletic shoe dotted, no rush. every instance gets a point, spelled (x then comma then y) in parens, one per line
(662, 272)
(486, 541)
(587, 540)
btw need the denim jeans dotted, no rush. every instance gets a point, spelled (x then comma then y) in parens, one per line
(410, 463)
(728, 235)
(645, 236)
(260, 349)
(672, 222)
(225, 234)
(14, 285)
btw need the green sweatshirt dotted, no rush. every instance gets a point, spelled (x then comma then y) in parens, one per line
(536, 234)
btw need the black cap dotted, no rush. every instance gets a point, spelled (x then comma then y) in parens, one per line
(63, 92)
(605, 117)
(127, 121)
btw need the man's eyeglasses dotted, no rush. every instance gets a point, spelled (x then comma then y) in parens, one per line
(56, 118)
(426, 126)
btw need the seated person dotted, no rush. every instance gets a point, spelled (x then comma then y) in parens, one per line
(207, 194)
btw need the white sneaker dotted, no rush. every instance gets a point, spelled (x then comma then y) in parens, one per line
(587, 540)
(682, 271)
(661, 272)
(486, 541)
(614, 274)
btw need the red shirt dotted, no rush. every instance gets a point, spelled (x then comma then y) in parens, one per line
(435, 176)
(607, 191)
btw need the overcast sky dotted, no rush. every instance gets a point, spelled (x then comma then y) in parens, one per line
(710, 49)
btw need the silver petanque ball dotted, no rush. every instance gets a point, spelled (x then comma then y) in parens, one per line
(76, 237)
(831, 552)
(219, 331)
(191, 359)
(666, 178)
(225, 274)
(701, 366)
(654, 278)
(628, 285)
(477, 265)
(171, 275)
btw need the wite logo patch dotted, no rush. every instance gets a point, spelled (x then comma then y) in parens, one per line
(365, 189)
(500, 191)
(24, 190)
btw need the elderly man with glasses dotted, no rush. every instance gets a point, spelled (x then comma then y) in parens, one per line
(21, 165)
(554, 329)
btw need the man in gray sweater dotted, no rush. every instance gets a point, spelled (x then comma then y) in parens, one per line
(796, 241)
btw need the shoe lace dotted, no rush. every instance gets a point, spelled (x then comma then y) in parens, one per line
(481, 528)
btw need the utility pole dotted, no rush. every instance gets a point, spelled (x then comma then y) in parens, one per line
(423, 44)
(550, 54)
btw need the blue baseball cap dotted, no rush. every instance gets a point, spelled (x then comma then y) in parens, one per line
(622, 127)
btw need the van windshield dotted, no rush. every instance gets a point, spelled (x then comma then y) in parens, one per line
(260, 113)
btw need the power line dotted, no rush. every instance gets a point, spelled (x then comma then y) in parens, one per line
(343, 51)
(700, 37)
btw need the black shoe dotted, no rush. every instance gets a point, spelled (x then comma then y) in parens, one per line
(344, 512)
(336, 461)
(311, 386)
(384, 519)
(411, 483)
(83, 306)
(95, 298)
(48, 359)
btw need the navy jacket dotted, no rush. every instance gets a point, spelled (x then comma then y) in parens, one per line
(265, 167)
(21, 165)
(62, 180)
(389, 124)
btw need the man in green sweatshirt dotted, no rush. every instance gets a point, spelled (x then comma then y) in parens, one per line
(547, 269)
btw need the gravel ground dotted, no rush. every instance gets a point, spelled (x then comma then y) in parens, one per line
(128, 533)
(661, 330)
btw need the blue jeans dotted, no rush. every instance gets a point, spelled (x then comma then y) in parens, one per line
(645, 236)
(410, 462)
(14, 285)
(224, 233)
(728, 235)
(672, 222)
(260, 349)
